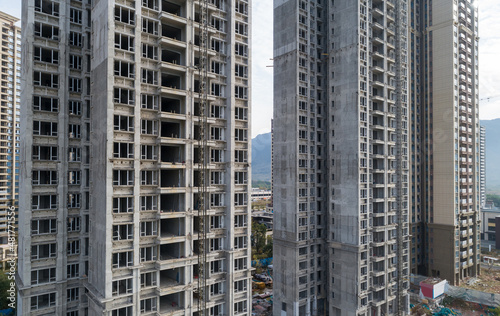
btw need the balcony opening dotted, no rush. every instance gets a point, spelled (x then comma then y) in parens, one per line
(378, 164)
(172, 302)
(170, 105)
(378, 193)
(379, 78)
(172, 57)
(378, 63)
(171, 81)
(379, 237)
(378, 149)
(172, 277)
(378, 178)
(172, 227)
(171, 32)
(172, 251)
(378, 120)
(378, 93)
(171, 130)
(378, 222)
(171, 8)
(378, 135)
(378, 208)
(172, 178)
(172, 154)
(379, 35)
(380, 252)
(378, 107)
(172, 203)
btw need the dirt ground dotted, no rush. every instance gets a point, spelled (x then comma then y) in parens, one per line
(488, 282)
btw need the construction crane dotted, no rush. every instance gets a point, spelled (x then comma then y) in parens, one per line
(489, 98)
(203, 154)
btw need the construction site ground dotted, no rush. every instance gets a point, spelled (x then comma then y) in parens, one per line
(488, 281)
(262, 294)
(466, 308)
(262, 306)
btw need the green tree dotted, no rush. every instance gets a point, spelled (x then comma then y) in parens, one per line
(494, 198)
(496, 311)
(267, 250)
(4, 287)
(258, 237)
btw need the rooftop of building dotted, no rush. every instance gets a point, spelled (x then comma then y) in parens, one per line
(8, 17)
(491, 210)
(432, 281)
(262, 213)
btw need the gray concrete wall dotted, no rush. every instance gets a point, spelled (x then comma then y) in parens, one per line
(62, 140)
(285, 158)
(344, 207)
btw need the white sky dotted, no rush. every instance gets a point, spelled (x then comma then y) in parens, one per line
(262, 52)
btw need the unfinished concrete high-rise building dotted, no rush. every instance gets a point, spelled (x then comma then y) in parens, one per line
(377, 104)
(10, 103)
(341, 157)
(445, 139)
(482, 166)
(114, 158)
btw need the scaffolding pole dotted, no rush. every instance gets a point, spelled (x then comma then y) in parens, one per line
(203, 152)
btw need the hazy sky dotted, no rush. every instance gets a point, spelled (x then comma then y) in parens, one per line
(262, 52)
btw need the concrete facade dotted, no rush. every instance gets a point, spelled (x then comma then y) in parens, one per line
(122, 210)
(10, 104)
(55, 158)
(340, 154)
(445, 140)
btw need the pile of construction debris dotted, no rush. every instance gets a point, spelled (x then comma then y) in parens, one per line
(262, 290)
(262, 304)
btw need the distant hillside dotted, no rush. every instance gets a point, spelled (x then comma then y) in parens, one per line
(261, 157)
(492, 154)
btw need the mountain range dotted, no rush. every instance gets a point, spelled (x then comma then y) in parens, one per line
(261, 157)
